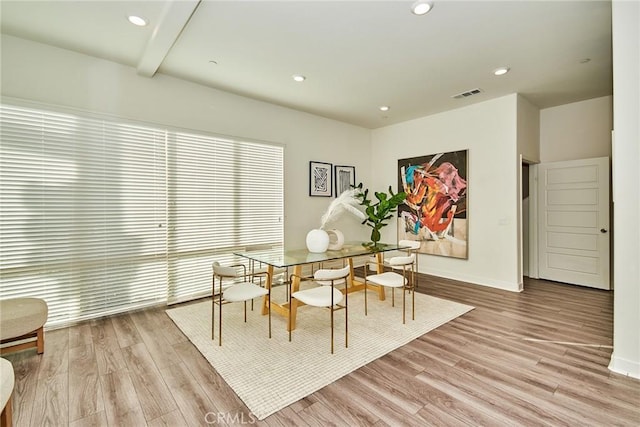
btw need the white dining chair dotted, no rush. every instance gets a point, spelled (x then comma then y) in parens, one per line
(408, 247)
(392, 279)
(239, 292)
(325, 294)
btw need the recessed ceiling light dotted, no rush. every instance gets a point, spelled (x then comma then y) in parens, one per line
(385, 108)
(299, 77)
(501, 71)
(137, 20)
(421, 7)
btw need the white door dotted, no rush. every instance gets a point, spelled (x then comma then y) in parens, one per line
(573, 211)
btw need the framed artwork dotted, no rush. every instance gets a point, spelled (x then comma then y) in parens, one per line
(320, 182)
(345, 177)
(435, 210)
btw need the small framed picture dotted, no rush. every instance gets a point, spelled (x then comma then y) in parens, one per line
(345, 177)
(320, 179)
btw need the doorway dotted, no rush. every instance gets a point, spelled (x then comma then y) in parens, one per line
(525, 218)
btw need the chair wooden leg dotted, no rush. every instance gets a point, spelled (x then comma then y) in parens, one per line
(213, 315)
(269, 305)
(6, 418)
(245, 311)
(365, 296)
(332, 308)
(291, 302)
(40, 340)
(220, 317)
(293, 307)
(413, 301)
(346, 319)
(332, 329)
(213, 307)
(403, 305)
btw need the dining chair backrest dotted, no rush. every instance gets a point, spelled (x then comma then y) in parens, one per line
(413, 245)
(325, 276)
(398, 261)
(223, 271)
(410, 247)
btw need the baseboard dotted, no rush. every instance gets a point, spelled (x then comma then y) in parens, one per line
(482, 281)
(629, 368)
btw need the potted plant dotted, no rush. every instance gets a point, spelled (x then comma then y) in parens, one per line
(378, 213)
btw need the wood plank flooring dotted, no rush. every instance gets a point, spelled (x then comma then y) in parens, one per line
(536, 358)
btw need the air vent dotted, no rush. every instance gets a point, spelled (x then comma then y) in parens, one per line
(467, 93)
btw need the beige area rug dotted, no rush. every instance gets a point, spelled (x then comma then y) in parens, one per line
(270, 374)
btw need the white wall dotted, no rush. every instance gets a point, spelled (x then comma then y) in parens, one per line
(581, 130)
(488, 130)
(45, 74)
(626, 181)
(528, 130)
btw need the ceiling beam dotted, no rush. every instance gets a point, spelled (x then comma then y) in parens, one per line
(174, 18)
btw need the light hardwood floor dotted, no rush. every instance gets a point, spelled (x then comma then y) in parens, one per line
(533, 358)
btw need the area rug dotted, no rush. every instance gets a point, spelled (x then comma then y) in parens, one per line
(270, 374)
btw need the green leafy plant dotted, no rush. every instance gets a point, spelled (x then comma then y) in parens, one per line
(378, 213)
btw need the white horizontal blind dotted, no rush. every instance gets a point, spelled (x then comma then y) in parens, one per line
(224, 196)
(82, 213)
(99, 217)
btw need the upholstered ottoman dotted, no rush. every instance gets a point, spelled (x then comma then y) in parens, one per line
(22, 319)
(7, 381)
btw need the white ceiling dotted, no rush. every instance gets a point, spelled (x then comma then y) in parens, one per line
(356, 55)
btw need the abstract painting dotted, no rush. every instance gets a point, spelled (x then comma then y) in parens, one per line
(320, 183)
(435, 210)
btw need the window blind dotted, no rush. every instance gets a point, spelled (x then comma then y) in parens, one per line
(99, 216)
(224, 196)
(81, 201)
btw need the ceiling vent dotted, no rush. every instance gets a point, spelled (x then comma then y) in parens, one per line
(467, 93)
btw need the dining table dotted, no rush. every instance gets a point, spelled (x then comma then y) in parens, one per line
(282, 258)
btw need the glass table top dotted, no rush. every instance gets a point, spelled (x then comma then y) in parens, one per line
(282, 257)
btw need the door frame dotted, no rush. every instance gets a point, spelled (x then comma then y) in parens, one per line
(533, 221)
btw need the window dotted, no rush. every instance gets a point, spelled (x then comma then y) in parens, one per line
(99, 216)
(223, 196)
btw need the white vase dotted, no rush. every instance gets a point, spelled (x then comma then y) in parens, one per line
(317, 241)
(336, 240)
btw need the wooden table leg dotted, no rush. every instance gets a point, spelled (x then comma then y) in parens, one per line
(295, 287)
(357, 285)
(380, 266)
(283, 308)
(265, 300)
